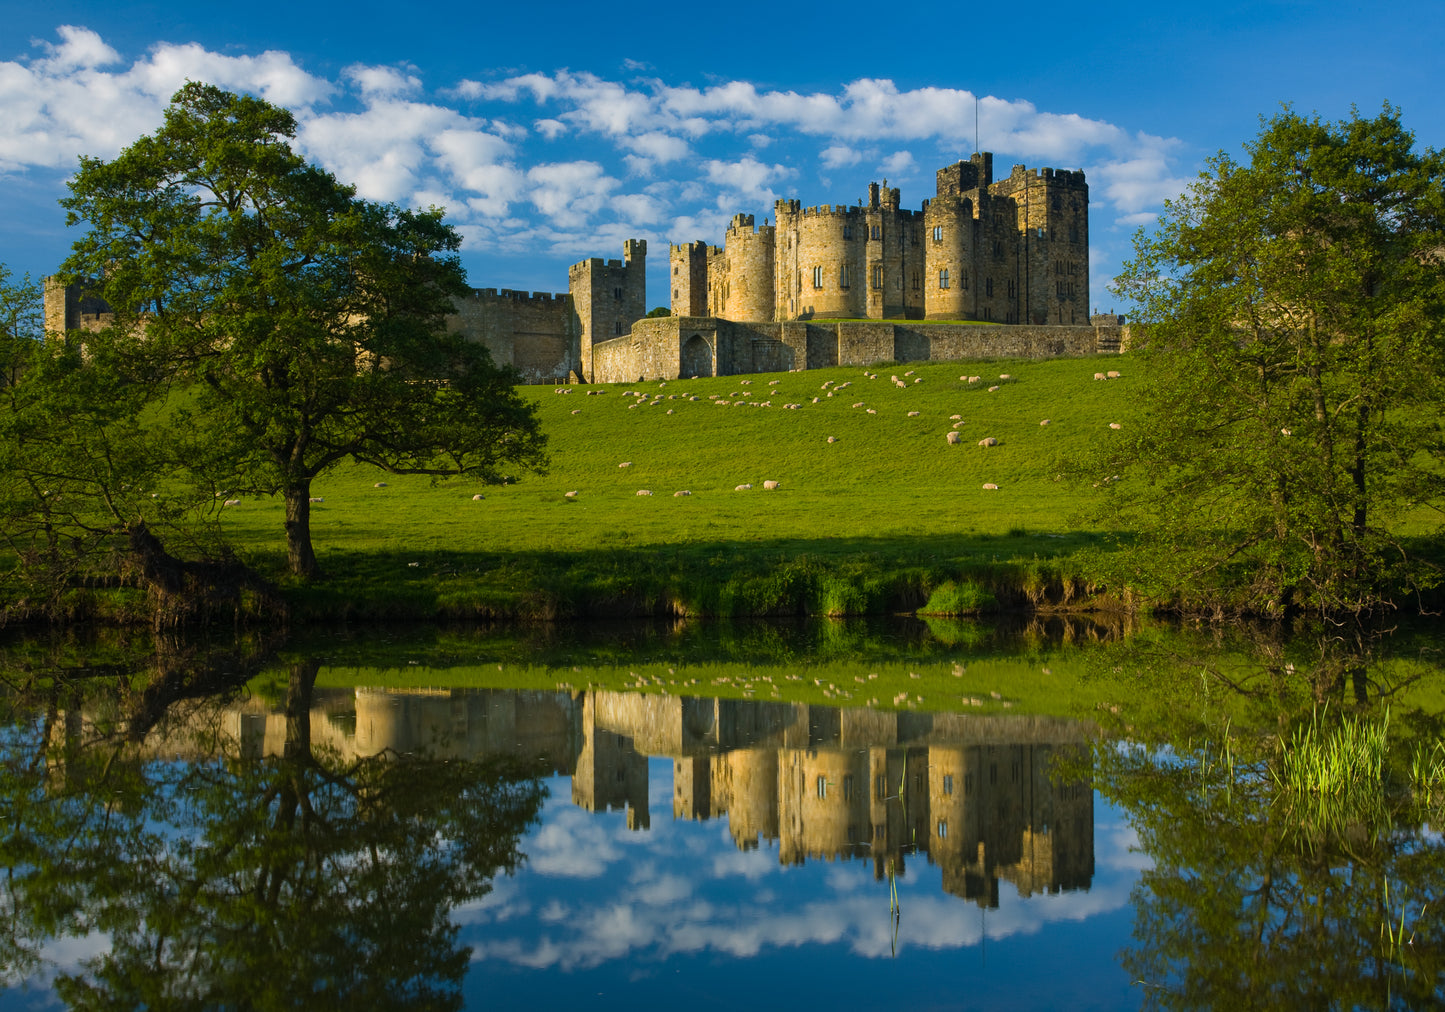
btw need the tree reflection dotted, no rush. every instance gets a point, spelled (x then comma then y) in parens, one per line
(223, 882)
(1251, 903)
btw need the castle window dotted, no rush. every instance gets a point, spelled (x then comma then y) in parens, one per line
(845, 276)
(1057, 203)
(988, 287)
(943, 829)
(880, 787)
(938, 233)
(967, 784)
(948, 783)
(880, 831)
(963, 280)
(943, 278)
(674, 272)
(617, 327)
(848, 788)
(877, 275)
(674, 295)
(998, 247)
(847, 231)
(915, 281)
(617, 294)
(822, 787)
(1073, 233)
(1010, 288)
(817, 277)
(876, 231)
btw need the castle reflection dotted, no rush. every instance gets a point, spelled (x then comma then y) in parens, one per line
(970, 793)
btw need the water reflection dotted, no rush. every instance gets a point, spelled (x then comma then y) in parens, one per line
(970, 793)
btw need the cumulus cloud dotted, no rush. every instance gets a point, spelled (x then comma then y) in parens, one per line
(838, 155)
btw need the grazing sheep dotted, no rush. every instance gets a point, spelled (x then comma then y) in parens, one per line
(1115, 425)
(859, 404)
(770, 484)
(988, 441)
(625, 463)
(815, 400)
(570, 495)
(992, 389)
(1099, 376)
(871, 411)
(231, 502)
(380, 484)
(1282, 432)
(317, 498)
(918, 379)
(991, 486)
(953, 438)
(576, 411)
(773, 383)
(478, 497)
(913, 414)
(742, 488)
(909, 373)
(1112, 374)
(832, 439)
(893, 378)
(958, 425)
(1044, 422)
(644, 491)
(974, 379)
(1004, 376)
(955, 418)
(684, 492)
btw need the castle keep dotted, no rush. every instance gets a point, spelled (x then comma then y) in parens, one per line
(1014, 250)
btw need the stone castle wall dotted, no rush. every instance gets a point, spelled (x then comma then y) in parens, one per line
(679, 347)
(536, 333)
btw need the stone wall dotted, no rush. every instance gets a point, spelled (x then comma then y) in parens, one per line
(534, 333)
(678, 347)
(607, 296)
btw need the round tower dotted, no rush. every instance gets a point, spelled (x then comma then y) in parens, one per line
(748, 294)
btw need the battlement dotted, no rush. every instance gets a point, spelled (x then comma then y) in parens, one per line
(515, 296)
(689, 248)
(1062, 177)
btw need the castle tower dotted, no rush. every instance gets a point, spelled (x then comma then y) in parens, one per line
(689, 278)
(607, 297)
(949, 230)
(748, 278)
(1052, 221)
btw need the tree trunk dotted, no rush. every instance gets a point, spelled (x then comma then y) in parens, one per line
(299, 555)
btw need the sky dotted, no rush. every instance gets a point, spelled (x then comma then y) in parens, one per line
(552, 132)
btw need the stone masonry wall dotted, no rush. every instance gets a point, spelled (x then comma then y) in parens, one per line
(533, 333)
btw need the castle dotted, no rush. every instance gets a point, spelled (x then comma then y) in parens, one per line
(1011, 251)
(986, 269)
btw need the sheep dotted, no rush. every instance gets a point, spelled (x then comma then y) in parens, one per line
(909, 373)
(913, 414)
(958, 425)
(644, 491)
(478, 497)
(1044, 422)
(953, 438)
(625, 463)
(1099, 376)
(570, 495)
(576, 411)
(770, 484)
(742, 488)
(1112, 374)
(859, 404)
(918, 379)
(684, 492)
(832, 439)
(1004, 376)
(990, 486)
(669, 411)
(317, 498)
(815, 400)
(231, 502)
(773, 383)
(1115, 425)
(380, 484)
(992, 388)
(955, 418)
(871, 411)
(988, 441)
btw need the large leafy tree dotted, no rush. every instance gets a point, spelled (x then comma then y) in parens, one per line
(1293, 318)
(310, 324)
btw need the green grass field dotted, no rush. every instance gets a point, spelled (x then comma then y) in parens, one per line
(890, 491)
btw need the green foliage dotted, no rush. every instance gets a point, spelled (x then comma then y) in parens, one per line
(952, 598)
(307, 326)
(656, 312)
(1293, 325)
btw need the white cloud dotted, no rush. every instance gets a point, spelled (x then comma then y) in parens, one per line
(839, 155)
(899, 163)
(747, 179)
(382, 82)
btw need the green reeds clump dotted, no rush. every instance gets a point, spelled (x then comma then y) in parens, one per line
(1427, 772)
(1342, 762)
(959, 598)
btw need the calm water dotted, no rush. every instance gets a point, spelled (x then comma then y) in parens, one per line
(387, 846)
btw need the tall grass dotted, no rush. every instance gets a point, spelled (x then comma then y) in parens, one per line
(1345, 761)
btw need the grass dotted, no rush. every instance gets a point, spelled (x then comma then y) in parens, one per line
(875, 520)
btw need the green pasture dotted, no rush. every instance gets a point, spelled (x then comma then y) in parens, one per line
(890, 482)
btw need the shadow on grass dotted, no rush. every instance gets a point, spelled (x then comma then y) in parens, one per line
(815, 576)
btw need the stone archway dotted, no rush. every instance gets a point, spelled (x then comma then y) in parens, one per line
(696, 357)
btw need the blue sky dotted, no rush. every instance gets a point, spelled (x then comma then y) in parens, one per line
(551, 132)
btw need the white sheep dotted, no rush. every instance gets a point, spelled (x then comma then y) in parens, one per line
(1044, 422)
(1115, 425)
(992, 388)
(644, 491)
(742, 488)
(478, 497)
(991, 486)
(625, 463)
(231, 502)
(770, 484)
(570, 495)
(988, 441)
(953, 438)
(1099, 376)
(832, 439)
(684, 492)
(380, 484)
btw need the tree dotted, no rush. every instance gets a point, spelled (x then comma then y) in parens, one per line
(305, 325)
(1291, 310)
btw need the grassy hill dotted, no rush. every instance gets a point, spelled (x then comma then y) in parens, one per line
(878, 519)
